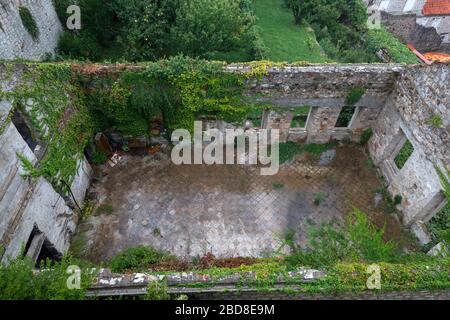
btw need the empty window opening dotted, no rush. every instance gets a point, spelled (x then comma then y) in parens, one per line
(19, 121)
(48, 252)
(300, 117)
(404, 154)
(345, 117)
(39, 249)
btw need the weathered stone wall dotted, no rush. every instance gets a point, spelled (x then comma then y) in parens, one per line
(325, 89)
(421, 94)
(424, 39)
(15, 40)
(27, 204)
(398, 103)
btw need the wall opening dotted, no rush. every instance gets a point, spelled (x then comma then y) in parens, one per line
(21, 125)
(300, 117)
(345, 117)
(435, 207)
(38, 248)
(404, 154)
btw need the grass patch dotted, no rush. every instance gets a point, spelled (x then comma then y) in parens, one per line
(382, 39)
(277, 185)
(354, 95)
(365, 137)
(105, 209)
(318, 198)
(288, 151)
(284, 40)
(315, 148)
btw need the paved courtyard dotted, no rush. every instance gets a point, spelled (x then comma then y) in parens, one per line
(229, 210)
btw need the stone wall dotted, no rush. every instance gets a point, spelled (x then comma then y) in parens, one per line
(406, 28)
(325, 89)
(28, 205)
(398, 103)
(15, 40)
(232, 287)
(420, 95)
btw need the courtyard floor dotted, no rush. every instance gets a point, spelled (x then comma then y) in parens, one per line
(228, 210)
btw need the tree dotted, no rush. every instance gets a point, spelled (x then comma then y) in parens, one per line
(204, 26)
(297, 7)
(145, 26)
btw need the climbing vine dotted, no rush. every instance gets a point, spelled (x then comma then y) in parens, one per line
(29, 23)
(54, 105)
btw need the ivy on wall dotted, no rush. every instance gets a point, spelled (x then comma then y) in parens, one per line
(179, 89)
(53, 104)
(28, 22)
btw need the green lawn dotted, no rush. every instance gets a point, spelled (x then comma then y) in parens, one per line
(285, 40)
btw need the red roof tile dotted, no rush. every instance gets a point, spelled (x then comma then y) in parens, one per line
(437, 56)
(436, 7)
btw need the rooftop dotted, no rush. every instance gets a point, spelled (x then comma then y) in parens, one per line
(436, 7)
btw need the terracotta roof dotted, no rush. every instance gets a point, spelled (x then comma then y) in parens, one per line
(436, 7)
(437, 56)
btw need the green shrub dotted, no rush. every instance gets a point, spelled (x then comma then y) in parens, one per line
(73, 46)
(157, 291)
(19, 281)
(377, 39)
(98, 31)
(354, 95)
(138, 258)
(28, 22)
(365, 137)
(439, 225)
(354, 240)
(203, 27)
(98, 157)
(436, 122)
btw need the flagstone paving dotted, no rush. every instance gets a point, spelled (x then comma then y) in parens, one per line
(229, 210)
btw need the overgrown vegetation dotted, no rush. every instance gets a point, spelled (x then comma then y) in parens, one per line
(365, 137)
(19, 281)
(439, 225)
(405, 152)
(98, 157)
(354, 240)
(289, 150)
(53, 103)
(341, 27)
(148, 30)
(344, 250)
(105, 209)
(29, 23)
(138, 258)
